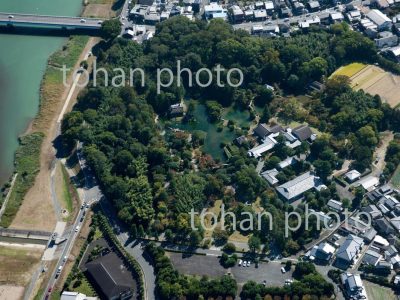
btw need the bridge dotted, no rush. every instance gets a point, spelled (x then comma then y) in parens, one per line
(53, 22)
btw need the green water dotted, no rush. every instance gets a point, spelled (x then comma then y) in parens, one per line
(22, 64)
(214, 137)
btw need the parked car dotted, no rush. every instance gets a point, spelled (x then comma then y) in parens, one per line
(283, 270)
(240, 262)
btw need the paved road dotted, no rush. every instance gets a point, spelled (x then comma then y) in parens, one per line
(54, 21)
(93, 194)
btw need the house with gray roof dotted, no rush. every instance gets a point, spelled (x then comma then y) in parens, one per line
(371, 258)
(373, 211)
(270, 176)
(303, 133)
(383, 226)
(335, 205)
(348, 251)
(111, 278)
(353, 286)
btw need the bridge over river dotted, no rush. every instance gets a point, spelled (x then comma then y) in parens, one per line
(52, 22)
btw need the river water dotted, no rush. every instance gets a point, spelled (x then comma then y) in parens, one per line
(22, 65)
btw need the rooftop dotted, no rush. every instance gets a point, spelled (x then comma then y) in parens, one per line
(299, 185)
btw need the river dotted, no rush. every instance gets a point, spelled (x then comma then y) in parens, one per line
(22, 65)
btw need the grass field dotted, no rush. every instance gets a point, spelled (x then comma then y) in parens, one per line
(349, 70)
(396, 178)
(376, 292)
(17, 264)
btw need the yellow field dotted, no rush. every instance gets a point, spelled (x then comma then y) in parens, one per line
(349, 70)
(376, 81)
(373, 80)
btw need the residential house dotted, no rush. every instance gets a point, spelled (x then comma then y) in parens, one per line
(369, 235)
(260, 15)
(237, 14)
(386, 39)
(336, 17)
(354, 16)
(348, 251)
(354, 287)
(396, 223)
(379, 19)
(294, 189)
(269, 6)
(213, 10)
(335, 205)
(321, 253)
(314, 6)
(373, 211)
(371, 258)
(394, 52)
(383, 226)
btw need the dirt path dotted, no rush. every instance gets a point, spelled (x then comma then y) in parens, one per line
(380, 152)
(36, 211)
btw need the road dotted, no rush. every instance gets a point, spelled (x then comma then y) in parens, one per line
(53, 21)
(133, 247)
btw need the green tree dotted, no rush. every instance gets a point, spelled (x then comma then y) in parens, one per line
(110, 29)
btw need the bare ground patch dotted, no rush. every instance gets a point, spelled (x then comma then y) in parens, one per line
(376, 81)
(18, 264)
(11, 292)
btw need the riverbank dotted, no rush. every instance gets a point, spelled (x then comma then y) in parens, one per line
(37, 211)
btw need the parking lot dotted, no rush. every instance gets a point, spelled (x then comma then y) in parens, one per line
(210, 266)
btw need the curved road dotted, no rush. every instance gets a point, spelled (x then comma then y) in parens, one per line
(93, 193)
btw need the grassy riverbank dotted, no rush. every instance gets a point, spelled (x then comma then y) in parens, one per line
(52, 87)
(27, 164)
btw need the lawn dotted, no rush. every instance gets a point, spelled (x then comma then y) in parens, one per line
(17, 265)
(83, 287)
(376, 292)
(396, 178)
(67, 197)
(349, 70)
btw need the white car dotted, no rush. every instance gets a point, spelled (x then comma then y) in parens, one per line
(248, 263)
(240, 262)
(283, 270)
(83, 21)
(77, 229)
